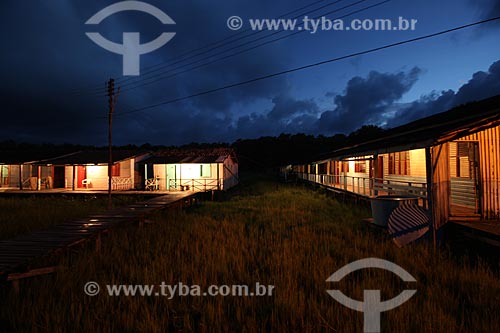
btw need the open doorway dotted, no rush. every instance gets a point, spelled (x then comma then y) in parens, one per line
(465, 179)
(4, 175)
(59, 177)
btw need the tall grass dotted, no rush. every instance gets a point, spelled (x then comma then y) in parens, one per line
(288, 237)
(20, 215)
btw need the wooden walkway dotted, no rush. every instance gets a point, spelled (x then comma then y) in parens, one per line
(484, 231)
(62, 191)
(18, 255)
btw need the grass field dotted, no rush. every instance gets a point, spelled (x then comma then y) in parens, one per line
(289, 237)
(20, 215)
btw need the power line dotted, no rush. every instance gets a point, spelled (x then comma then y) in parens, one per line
(296, 69)
(223, 41)
(191, 56)
(190, 53)
(161, 76)
(96, 91)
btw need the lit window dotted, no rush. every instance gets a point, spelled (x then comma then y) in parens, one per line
(360, 166)
(399, 163)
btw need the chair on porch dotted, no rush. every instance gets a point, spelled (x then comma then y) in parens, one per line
(86, 183)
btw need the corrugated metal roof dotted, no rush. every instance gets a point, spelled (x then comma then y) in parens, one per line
(89, 157)
(25, 156)
(439, 128)
(178, 156)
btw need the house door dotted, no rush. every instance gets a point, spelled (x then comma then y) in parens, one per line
(465, 179)
(81, 173)
(380, 168)
(4, 175)
(59, 179)
(172, 181)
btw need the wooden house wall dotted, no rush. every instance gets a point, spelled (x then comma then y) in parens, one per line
(417, 163)
(489, 163)
(354, 178)
(417, 167)
(12, 177)
(125, 168)
(440, 184)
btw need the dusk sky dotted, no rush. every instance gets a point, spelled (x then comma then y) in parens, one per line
(54, 76)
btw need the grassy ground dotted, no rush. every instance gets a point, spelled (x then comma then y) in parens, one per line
(20, 215)
(289, 237)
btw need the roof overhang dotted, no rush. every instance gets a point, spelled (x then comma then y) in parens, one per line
(431, 131)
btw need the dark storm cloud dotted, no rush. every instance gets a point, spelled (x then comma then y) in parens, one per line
(288, 115)
(48, 57)
(373, 100)
(488, 8)
(366, 99)
(286, 108)
(482, 85)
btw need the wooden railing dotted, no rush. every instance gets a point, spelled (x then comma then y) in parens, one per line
(121, 183)
(371, 187)
(197, 185)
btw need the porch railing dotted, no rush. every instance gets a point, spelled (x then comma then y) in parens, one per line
(370, 187)
(197, 185)
(121, 183)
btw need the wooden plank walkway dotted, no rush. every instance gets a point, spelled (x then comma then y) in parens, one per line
(18, 254)
(484, 231)
(62, 191)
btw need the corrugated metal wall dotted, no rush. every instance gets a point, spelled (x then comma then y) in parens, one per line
(489, 154)
(440, 184)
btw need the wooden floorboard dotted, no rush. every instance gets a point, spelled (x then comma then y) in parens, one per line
(17, 252)
(492, 227)
(483, 231)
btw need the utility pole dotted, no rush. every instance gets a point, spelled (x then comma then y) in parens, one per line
(111, 100)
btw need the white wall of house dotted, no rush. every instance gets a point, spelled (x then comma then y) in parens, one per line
(171, 176)
(197, 176)
(158, 172)
(68, 176)
(98, 176)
